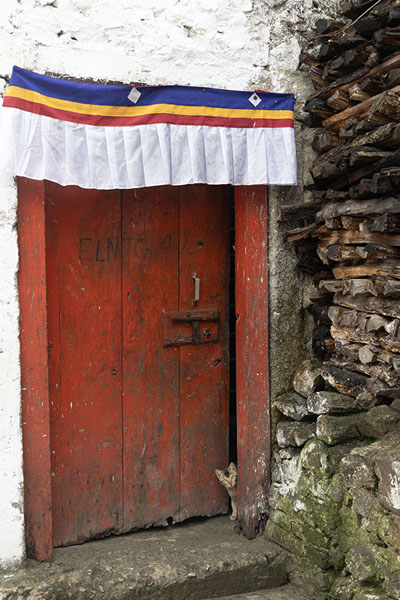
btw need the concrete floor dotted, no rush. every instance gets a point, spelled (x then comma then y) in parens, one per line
(194, 560)
(287, 592)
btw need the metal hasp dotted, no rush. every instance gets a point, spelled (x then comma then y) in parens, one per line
(183, 327)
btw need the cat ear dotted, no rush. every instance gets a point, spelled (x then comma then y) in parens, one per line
(232, 467)
(218, 473)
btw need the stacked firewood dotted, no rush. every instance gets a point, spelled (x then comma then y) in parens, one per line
(348, 236)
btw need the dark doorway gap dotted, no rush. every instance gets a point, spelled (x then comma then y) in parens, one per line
(232, 336)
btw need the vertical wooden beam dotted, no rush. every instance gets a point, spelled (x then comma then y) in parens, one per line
(34, 371)
(252, 377)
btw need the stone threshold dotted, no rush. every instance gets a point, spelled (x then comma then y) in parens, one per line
(196, 560)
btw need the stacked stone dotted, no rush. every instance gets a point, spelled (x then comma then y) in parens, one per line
(335, 495)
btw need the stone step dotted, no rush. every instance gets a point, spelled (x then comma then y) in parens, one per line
(287, 592)
(195, 560)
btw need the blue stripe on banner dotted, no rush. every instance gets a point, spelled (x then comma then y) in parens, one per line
(117, 95)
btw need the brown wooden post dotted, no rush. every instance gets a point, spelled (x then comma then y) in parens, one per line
(34, 371)
(252, 376)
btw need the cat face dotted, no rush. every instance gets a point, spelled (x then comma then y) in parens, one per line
(227, 476)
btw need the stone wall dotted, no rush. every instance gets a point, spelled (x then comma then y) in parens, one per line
(335, 496)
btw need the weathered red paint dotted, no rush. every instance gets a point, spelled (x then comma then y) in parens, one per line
(204, 369)
(34, 374)
(252, 380)
(85, 372)
(150, 370)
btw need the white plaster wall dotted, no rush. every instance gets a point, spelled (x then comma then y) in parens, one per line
(236, 44)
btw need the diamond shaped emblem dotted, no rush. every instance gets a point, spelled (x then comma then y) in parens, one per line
(255, 99)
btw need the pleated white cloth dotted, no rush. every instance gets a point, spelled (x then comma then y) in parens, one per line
(39, 146)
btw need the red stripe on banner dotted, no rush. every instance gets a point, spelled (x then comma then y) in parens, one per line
(102, 121)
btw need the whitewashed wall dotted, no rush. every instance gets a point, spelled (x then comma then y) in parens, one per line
(236, 44)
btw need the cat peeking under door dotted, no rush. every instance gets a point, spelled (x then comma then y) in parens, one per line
(227, 477)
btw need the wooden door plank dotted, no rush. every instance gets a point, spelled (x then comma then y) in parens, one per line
(151, 371)
(34, 373)
(204, 369)
(252, 379)
(84, 286)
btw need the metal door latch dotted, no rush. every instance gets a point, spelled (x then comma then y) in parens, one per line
(196, 288)
(199, 326)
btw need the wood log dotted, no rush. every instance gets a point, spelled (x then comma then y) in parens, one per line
(382, 306)
(323, 26)
(300, 233)
(389, 36)
(385, 374)
(337, 159)
(356, 94)
(336, 121)
(299, 211)
(348, 272)
(353, 8)
(336, 195)
(350, 335)
(387, 222)
(318, 108)
(374, 206)
(394, 15)
(366, 72)
(392, 288)
(367, 154)
(345, 381)
(354, 223)
(351, 59)
(392, 78)
(361, 190)
(357, 237)
(338, 101)
(342, 253)
(386, 181)
(324, 140)
(377, 286)
(386, 104)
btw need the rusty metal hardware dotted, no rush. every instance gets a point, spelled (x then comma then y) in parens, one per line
(183, 327)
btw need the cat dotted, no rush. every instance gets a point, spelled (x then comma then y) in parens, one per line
(227, 477)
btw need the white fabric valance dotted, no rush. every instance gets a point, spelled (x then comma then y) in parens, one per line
(117, 137)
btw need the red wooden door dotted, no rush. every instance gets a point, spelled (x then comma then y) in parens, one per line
(138, 369)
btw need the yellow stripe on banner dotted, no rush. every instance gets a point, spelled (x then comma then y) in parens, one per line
(134, 111)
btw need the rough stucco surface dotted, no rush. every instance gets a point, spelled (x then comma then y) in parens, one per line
(237, 44)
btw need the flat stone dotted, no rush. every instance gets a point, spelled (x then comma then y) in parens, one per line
(321, 403)
(357, 470)
(289, 433)
(292, 405)
(366, 400)
(193, 560)
(364, 501)
(378, 421)
(392, 585)
(395, 404)
(287, 592)
(345, 382)
(388, 471)
(343, 588)
(370, 594)
(362, 563)
(315, 456)
(308, 378)
(304, 433)
(333, 430)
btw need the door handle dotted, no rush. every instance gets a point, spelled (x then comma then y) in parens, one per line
(196, 288)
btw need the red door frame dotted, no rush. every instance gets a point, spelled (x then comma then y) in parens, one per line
(253, 414)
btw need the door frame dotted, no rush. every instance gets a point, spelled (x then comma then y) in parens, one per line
(252, 373)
